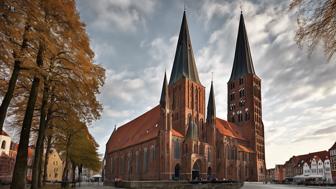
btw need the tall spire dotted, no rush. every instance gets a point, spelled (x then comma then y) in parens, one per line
(242, 63)
(164, 93)
(211, 111)
(184, 61)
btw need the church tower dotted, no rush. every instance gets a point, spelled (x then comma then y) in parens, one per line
(186, 93)
(244, 102)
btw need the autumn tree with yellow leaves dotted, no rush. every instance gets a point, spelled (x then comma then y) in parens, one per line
(47, 49)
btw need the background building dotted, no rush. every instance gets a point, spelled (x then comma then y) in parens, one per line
(8, 156)
(179, 139)
(332, 153)
(55, 166)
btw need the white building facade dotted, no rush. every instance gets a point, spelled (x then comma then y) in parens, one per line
(319, 169)
(5, 142)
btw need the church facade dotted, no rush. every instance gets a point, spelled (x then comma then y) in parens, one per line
(182, 139)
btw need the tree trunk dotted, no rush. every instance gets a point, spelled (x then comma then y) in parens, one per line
(12, 81)
(66, 166)
(40, 167)
(20, 168)
(46, 159)
(73, 174)
(40, 138)
(9, 94)
(80, 169)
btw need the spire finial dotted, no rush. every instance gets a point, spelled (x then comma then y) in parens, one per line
(241, 7)
(184, 6)
(211, 77)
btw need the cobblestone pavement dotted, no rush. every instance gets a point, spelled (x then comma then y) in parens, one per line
(83, 186)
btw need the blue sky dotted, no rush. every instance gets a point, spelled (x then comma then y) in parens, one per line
(135, 41)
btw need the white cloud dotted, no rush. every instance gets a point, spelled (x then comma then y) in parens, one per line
(298, 92)
(124, 15)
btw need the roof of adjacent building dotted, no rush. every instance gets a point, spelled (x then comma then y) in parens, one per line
(299, 160)
(242, 63)
(229, 129)
(2, 132)
(333, 146)
(184, 62)
(141, 129)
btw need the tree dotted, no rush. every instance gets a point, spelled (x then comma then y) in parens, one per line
(76, 144)
(15, 33)
(317, 23)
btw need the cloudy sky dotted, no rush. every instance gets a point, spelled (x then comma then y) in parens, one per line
(135, 41)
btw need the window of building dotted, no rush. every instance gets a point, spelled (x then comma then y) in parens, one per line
(112, 167)
(240, 116)
(241, 81)
(195, 148)
(145, 160)
(129, 163)
(176, 149)
(137, 162)
(232, 85)
(247, 115)
(121, 165)
(153, 152)
(232, 96)
(3, 145)
(242, 93)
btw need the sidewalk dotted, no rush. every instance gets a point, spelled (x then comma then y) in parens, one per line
(84, 185)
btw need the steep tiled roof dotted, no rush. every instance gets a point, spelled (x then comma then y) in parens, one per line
(228, 129)
(299, 160)
(176, 133)
(244, 149)
(242, 63)
(141, 129)
(3, 133)
(184, 62)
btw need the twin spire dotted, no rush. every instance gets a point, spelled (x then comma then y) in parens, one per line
(242, 63)
(184, 62)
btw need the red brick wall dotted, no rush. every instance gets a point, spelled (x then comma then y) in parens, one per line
(6, 168)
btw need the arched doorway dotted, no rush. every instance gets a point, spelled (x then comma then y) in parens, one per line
(209, 171)
(195, 172)
(177, 171)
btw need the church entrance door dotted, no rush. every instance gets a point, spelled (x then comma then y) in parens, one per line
(195, 172)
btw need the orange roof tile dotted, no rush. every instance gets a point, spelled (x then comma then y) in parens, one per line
(299, 160)
(228, 129)
(176, 133)
(244, 149)
(140, 129)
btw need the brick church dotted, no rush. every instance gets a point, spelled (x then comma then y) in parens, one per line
(182, 139)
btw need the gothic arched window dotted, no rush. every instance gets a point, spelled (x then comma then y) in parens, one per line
(176, 149)
(3, 145)
(145, 160)
(137, 162)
